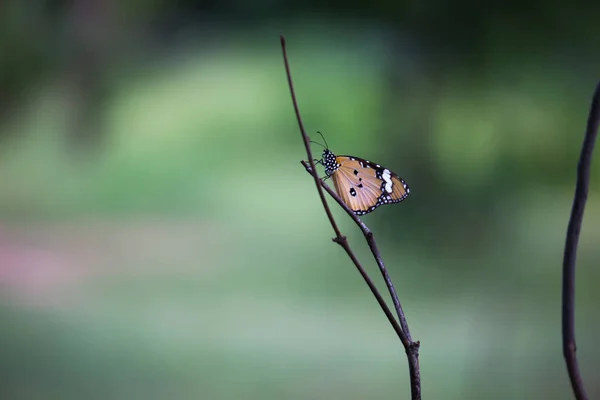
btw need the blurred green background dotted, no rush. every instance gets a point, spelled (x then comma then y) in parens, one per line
(160, 240)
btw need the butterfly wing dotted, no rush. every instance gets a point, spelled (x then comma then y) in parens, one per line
(364, 186)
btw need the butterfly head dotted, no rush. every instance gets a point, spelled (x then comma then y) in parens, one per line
(329, 161)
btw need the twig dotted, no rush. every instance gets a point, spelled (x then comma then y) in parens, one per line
(339, 237)
(570, 255)
(411, 348)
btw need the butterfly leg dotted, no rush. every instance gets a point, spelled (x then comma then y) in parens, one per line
(317, 161)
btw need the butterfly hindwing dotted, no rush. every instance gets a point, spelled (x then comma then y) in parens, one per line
(363, 185)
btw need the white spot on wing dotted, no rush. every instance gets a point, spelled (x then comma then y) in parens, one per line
(387, 178)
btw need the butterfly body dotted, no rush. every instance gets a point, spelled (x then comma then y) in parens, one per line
(363, 185)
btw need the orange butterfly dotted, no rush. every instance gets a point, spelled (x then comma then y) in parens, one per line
(361, 184)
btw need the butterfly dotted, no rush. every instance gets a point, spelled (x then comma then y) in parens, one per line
(361, 184)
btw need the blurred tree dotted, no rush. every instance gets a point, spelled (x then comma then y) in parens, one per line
(26, 53)
(92, 26)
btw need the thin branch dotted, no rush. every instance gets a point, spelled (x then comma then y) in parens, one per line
(411, 348)
(339, 237)
(570, 255)
(306, 139)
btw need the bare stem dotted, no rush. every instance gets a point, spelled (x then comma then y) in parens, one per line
(401, 329)
(572, 240)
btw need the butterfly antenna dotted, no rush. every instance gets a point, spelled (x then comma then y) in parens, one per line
(327, 146)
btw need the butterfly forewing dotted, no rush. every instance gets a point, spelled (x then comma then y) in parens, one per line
(357, 186)
(364, 186)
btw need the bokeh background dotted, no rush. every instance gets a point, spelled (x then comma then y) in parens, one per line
(160, 240)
